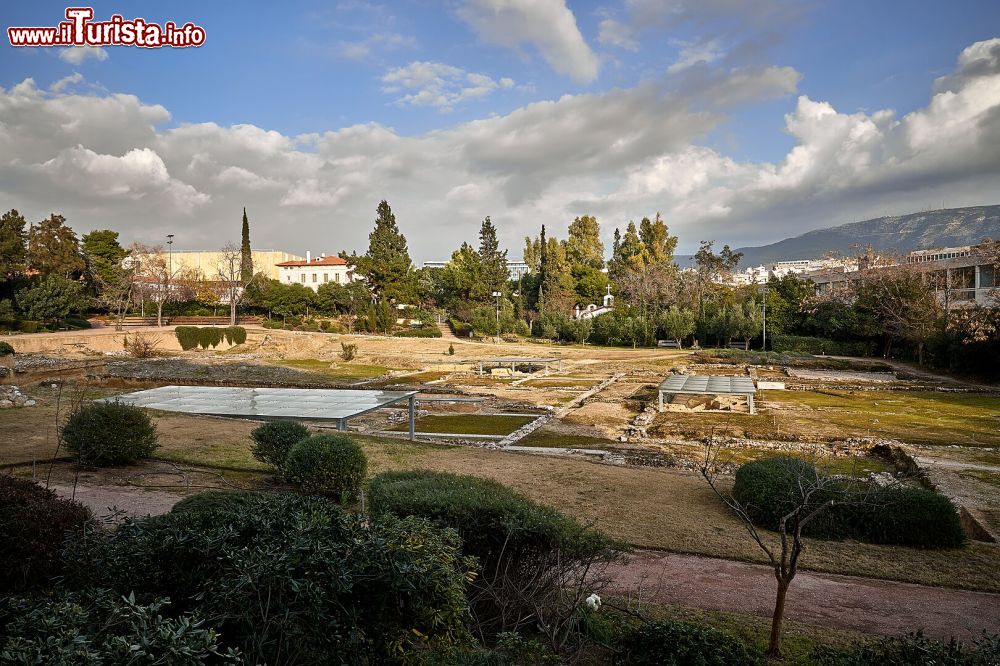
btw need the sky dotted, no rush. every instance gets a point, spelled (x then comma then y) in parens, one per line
(742, 122)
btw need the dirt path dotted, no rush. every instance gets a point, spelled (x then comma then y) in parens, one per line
(910, 369)
(133, 501)
(841, 602)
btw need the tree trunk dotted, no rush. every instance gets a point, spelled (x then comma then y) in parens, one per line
(159, 313)
(774, 647)
(232, 312)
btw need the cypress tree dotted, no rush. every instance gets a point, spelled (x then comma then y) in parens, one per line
(386, 266)
(246, 259)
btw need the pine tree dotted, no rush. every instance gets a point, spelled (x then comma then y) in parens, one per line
(53, 248)
(494, 272)
(246, 258)
(13, 244)
(386, 266)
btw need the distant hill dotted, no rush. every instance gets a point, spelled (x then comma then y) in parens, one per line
(897, 234)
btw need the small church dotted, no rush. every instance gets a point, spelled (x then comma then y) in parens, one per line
(593, 310)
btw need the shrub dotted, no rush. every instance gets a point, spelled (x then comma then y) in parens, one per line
(5, 349)
(682, 644)
(211, 502)
(326, 464)
(235, 335)
(461, 329)
(378, 588)
(818, 346)
(348, 351)
(100, 627)
(187, 336)
(28, 326)
(110, 433)
(33, 524)
(272, 441)
(912, 650)
(271, 324)
(141, 344)
(451, 349)
(898, 515)
(421, 332)
(526, 552)
(210, 336)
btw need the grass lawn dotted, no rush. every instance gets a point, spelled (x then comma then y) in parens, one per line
(914, 417)
(547, 439)
(574, 383)
(468, 424)
(339, 370)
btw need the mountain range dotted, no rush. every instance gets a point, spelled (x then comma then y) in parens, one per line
(896, 234)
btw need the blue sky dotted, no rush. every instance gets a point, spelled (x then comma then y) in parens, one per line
(315, 67)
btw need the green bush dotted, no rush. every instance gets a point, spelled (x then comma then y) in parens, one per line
(461, 329)
(770, 488)
(76, 322)
(379, 589)
(819, 346)
(187, 336)
(210, 336)
(682, 644)
(271, 324)
(421, 332)
(348, 351)
(101, 627)
(326, 464)
(235, 335)
(912, 650)
(527, 553)
(272, 441)
(110, 433)
(5, 349)
(211, 502)
(33, 525)
(28, 326)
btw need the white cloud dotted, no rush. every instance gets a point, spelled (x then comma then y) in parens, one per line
(548, 25)
(618, 34)
(103, 161)
(382, 42)
(76, 55)
(65, 82)
(693, 53)
(439, 85)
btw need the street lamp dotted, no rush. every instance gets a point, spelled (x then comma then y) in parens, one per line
(497, 295)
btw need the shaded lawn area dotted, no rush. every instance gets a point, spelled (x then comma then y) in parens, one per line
(651, 508)
(545, 438)
(338, 371)
(915, 417)
(468, 424)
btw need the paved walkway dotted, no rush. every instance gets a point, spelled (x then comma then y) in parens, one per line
(829, 600)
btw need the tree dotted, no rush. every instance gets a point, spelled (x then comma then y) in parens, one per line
(229, 274)
(246, 258)
(677, 323)
(813, 495)
(748, 322)
(462, 281)
(53, 248)
(898, 297)
(104, 255)
(386, 266)
(13, 244)
(494, 273)
(583, 244)
(156, 278)
(658, 244)
(52, 299)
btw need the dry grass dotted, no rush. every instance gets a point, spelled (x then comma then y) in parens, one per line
(468, 424)
(914, 417)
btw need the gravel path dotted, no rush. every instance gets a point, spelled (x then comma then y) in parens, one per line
(829, 600)
(134, 501)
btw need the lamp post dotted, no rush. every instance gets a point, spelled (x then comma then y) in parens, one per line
(170, 274)
(497, 295)
(763, 346)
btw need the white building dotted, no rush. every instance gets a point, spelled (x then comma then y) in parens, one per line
(310, 272)
(593, 310)
(517, 267)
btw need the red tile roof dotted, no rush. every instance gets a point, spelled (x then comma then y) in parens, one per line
(329, 260)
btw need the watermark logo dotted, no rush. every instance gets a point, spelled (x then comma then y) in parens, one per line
(79, 29)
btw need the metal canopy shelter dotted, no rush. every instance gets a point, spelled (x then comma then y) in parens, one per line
(707, 385)
(518, 360)
(271, 404)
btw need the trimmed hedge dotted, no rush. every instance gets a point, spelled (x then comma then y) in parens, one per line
(681, 644)
(326, 464)
(110, 433)
(272, 441)
(33, 526)
(190, 337)
(819, 346)
(461, 329)
(377, 588)
(422, 332)
(898, 515)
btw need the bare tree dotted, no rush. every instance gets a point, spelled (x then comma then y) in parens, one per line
(229, 274)
(156, 278)
(815, 494)
(116, 293)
